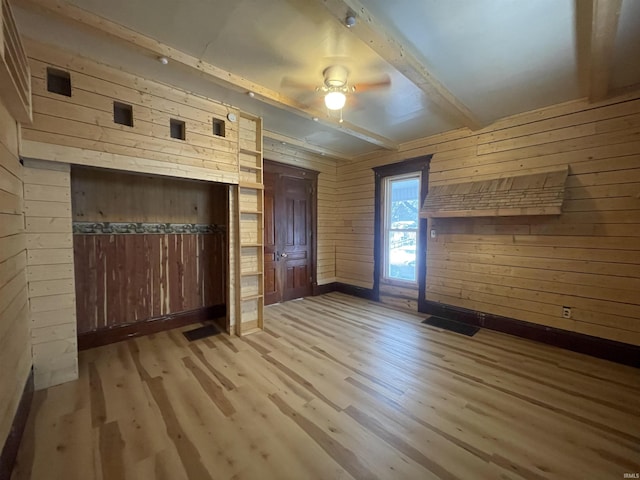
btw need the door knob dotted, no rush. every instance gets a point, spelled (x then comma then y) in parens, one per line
(284, 255)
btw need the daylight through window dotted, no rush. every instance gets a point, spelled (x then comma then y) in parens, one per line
(401, 201)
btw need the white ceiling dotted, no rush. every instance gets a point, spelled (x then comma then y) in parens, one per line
(498, 57)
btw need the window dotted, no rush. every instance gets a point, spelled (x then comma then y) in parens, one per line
(401, 200)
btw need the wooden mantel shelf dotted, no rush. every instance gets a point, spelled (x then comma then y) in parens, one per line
(534, 194)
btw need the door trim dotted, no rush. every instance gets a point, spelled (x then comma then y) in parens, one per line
(271, 166)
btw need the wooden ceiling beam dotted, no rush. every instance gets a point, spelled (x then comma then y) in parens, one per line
(95, 23)
(301, 144)
(375, 34)
(598, 26)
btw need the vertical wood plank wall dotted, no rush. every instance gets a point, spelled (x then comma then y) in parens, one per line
(525, 268)
(126, 278)
(15, 341)
(50, 272)
(327, 201)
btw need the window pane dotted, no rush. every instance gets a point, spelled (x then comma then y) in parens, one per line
(402, 255)
(404, 203)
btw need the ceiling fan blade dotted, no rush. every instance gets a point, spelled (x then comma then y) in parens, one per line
(289, 82)
(383, 82)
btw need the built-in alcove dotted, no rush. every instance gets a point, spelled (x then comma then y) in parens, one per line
(123, 114)
(177, 129)
(218, 127)
(58, 81)
(147, 250)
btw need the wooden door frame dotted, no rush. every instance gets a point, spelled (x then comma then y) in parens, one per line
(418, 164)
(272, 166)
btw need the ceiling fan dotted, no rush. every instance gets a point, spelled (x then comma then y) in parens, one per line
(336, 87)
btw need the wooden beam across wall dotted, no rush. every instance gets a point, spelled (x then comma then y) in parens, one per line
(597, 24)
(294, 142)
(101, 25)
(382, 41)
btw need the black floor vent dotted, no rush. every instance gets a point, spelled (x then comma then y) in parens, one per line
(451, 325)
(201, 332)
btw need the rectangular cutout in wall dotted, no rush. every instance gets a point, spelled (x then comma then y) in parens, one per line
(218, 127)
(58, 81)
(177, 129)
(123, 114)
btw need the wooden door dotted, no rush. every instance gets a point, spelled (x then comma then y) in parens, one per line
(289, 251)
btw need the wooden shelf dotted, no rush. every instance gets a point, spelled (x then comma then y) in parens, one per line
(251, 297)
(256, 186)
(248, 151)
(250, 208)
(252, 330)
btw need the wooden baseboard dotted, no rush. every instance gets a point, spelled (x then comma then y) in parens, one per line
(322, 289)
(361, 292)
(12, 443)
(618, 352)
(153, 325)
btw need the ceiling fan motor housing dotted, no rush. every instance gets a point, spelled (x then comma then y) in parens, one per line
(335, 76)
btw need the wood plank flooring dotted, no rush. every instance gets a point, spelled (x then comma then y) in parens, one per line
(336, 388)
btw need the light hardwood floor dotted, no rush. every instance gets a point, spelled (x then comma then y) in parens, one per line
(336, 388)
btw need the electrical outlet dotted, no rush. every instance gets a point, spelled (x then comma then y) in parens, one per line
(433, 233)
(566, 312)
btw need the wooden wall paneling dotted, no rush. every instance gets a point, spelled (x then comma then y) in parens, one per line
(250, 208)
(106, 196)
(47, 208)
(588, 258)
(15, 335)
(15, 84)
(84, 122)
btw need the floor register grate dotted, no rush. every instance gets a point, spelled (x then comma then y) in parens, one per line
(451, 325)
(201, 332)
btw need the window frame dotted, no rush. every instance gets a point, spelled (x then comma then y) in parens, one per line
(386, 226)
(418, 164)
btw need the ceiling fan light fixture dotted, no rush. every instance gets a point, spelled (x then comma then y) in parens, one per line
(335, 100)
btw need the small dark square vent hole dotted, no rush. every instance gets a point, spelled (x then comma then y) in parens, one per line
(177, 129)
(123, 114)
(218, 127)
(58, 81)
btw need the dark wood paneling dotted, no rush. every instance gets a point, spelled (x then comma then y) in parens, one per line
(577, 342)
(122, 279)
(118, 333)
(12, 443)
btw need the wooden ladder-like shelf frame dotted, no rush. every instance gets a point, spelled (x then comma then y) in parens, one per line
(250, 213)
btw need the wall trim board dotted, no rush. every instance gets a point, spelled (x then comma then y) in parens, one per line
(118, 333)
(612, 350)
(12, 443)
(33, 150)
